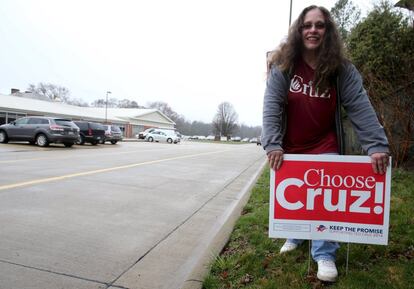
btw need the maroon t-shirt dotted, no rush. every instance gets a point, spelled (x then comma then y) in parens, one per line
(310, 115)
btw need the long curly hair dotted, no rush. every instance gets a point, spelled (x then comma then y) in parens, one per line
(331, 53)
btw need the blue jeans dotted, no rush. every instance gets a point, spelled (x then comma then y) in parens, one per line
(321, 249)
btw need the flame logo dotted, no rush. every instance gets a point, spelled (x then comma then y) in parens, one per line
(320, 228)
(296, 84)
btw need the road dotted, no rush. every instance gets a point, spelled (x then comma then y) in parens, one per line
(131, 215)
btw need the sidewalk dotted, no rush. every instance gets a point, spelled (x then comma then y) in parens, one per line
(132, 140)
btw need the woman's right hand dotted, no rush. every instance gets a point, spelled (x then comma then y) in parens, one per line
(275, 159)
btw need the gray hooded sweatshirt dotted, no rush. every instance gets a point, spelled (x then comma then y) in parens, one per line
(350, 94)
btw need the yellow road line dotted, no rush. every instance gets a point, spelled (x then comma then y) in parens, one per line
(81, 155)
(52, 179)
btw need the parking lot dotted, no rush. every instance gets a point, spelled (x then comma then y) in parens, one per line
(130, 215)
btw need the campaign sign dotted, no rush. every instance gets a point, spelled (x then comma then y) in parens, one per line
(329, 197)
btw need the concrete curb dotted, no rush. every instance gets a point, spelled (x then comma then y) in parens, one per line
(221, 234)
(132, 140)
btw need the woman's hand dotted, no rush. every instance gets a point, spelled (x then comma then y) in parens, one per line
(275, 159)
(380, 162)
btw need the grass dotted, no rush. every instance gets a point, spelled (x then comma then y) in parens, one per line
(252, 260)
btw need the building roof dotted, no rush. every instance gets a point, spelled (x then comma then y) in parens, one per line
(123, 115)
(30, 94)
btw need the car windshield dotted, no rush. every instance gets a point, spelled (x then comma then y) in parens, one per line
(82, 125)
(97, 126)
(115, 128)
(21, 121)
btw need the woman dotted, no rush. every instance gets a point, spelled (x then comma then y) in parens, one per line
(309, 79)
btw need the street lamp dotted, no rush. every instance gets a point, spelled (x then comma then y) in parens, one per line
(106, 107)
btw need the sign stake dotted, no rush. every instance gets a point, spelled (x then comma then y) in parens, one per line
(309, 259)
(347, 259)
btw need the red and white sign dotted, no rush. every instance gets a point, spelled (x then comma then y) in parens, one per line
(329, 197)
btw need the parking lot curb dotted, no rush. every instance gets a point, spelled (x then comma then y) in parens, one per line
(222, 231)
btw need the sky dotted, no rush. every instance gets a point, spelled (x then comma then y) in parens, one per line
(191, 54)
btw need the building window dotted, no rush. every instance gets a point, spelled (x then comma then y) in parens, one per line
(13, 116)
(3, 116)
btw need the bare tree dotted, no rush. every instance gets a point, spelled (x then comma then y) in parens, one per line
(182, 124)
(249, 131)
(126, 103)
(98, 103)
(165, 109)
(225, 121)
(52, 91)
(77, 102)
(112, 102)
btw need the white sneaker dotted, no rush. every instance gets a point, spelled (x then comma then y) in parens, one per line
(327, 271)
(287, 247)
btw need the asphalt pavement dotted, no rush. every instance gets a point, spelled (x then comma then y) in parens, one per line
(131, 215)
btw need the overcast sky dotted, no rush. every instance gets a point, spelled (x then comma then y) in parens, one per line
(192, 54)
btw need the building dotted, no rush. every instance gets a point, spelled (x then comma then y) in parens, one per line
(130, 120)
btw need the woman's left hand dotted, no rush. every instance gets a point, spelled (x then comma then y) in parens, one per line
(380, 162)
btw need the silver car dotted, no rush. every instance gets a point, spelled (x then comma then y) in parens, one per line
(163, 136)
(113, 134)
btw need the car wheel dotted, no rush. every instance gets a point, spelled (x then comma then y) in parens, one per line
(94, 143)
(68, 144)
(81, 140)
(113, 141)
(42, 140)
(169, 140)
(3, 137)
(150, 139)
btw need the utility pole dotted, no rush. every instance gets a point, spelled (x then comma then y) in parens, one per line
(106, 107)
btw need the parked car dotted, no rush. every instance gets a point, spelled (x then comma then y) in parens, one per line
(91, 132)
(113, 134)
(144, 133)
(210, 137)
(259, 141)
(163, 136)
(256, 140)
(40, 130)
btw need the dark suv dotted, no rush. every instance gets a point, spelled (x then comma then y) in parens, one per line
(91, 132)
(40, 130)
(113, 134)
